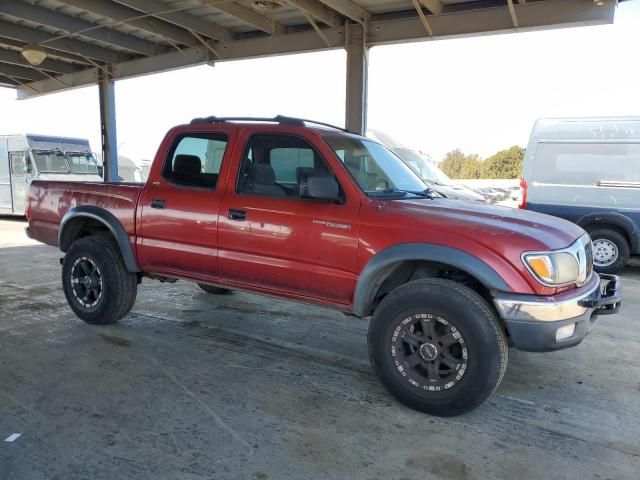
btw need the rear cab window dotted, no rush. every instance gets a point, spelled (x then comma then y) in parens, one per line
(195, 160)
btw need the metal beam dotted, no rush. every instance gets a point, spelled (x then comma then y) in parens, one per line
(357, 83)
(434, 6)
(512, 12)
(67, 23)
(349, 9)
(129, 16)
(531, 16)
(106, 91)
(318, 11)
(25, 73)
(15, 58)
(181, 19)
(7, 82)
(32, 35)
(423, 18)
(248, 16)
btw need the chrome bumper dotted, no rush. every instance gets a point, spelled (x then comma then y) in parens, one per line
(532, 321)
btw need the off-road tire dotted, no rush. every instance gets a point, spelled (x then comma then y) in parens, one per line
(118, 286)
(464, 311)
(214, 290)
(621, 244)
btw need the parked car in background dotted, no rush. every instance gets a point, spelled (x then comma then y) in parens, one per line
(27, 157)
(491, 194)
(587, 170)
(287, 208)
(426, 168)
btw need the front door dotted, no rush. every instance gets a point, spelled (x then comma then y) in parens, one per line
(179, 205)
(21, 175)
(272, 239)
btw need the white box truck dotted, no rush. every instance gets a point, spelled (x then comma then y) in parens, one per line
(25, 157)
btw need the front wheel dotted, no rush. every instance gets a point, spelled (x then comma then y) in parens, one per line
(98, 286)
(437, 346)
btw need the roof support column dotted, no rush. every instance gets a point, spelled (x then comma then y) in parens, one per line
(357, 79)
(106, 88)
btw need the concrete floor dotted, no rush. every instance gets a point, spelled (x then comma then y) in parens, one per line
(193, 386)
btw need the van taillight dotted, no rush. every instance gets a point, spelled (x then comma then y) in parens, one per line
(523, 193)
(27, 212)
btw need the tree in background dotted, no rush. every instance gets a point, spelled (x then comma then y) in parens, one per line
(503, 164)
(458, 165)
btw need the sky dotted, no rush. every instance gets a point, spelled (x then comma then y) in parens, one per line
(479, 94)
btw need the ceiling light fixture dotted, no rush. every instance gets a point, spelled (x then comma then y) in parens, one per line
(34, 54)
(267, 4)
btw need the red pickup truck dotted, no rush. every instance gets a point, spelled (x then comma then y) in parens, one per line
(311, 213)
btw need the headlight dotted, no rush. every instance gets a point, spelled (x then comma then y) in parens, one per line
(553, 268)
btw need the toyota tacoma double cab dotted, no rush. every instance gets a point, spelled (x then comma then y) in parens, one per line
(312, 213)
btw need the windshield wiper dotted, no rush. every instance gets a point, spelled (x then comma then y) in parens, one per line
(426, 193)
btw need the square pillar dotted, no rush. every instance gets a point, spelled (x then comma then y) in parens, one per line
(357, 80)
(106, 89)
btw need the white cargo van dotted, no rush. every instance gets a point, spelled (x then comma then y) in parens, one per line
(587, 170)
(25, 157)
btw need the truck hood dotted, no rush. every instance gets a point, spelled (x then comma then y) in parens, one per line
(503, 230)
(70, 177)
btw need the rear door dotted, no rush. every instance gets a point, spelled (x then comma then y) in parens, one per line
(5, 179)
(21, 174)
(178, 208)
(272, 239)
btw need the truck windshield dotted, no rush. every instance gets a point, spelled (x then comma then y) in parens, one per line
(82, 162)
(376, 169)
(50, 161)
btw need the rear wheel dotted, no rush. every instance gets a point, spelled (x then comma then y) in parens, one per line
(214, 290)
(610, 251)
(437, 346)
(98, 287)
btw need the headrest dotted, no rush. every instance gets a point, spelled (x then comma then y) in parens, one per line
(262, 173)
(303, 172)
(187, 164)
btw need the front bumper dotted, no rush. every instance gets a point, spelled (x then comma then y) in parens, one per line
(533, 321)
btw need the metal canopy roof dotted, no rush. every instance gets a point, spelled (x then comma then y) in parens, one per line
(86, 39)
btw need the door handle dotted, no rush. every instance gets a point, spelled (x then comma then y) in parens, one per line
(157, 203)
(236, 214)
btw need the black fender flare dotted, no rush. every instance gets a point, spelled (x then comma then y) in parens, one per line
(381, 264)
(109, 221)
(613, 218)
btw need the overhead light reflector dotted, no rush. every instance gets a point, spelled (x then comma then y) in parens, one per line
(34, 54)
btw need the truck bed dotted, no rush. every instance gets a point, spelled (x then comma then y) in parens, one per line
(49, 201)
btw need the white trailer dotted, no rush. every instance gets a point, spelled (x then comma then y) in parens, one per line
(25, 157)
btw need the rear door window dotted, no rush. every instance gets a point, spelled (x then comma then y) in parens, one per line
(18, 164)
(195, 160)
(587, 163)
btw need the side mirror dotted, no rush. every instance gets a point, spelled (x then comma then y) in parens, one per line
(321, 186)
